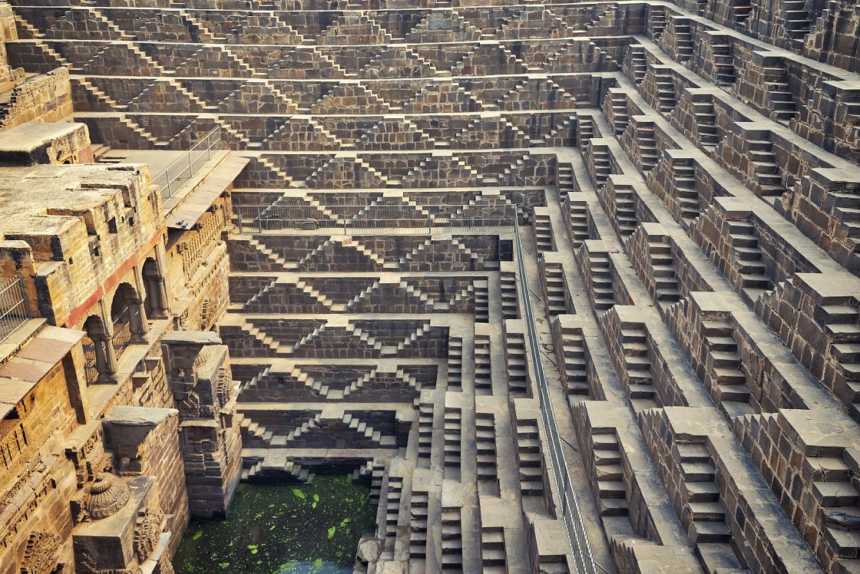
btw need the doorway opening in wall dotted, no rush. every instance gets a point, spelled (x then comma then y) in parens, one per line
(274, 527)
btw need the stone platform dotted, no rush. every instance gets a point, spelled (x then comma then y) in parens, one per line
(684, 177)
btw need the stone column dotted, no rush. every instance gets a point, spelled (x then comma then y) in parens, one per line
(160, 263)
(137, 313)
(106, 360)
(198, 372)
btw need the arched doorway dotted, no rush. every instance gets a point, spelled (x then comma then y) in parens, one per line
(99, 358)
(128, 318)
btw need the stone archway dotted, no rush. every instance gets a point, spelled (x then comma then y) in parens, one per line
(99, 355)
(128, 318)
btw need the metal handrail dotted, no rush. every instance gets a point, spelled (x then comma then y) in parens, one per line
(170, 178)
(579, 545)
(13, 306)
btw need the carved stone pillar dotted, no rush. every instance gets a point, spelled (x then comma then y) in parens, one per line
(198, 372)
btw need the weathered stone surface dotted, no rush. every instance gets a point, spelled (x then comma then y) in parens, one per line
(486, 256)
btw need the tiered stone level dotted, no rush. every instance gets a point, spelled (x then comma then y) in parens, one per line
(682, 181)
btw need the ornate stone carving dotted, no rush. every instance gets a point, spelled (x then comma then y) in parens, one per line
(41, 553)
(104, 497)
(223, 387)
(147, 531)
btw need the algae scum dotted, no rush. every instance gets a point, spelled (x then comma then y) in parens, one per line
(282, 529)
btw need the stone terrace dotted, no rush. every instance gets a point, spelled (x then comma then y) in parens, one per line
(686, 185)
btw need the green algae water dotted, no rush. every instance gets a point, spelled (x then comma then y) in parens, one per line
(282, 529)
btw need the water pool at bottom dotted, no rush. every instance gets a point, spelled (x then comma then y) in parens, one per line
(282, 529)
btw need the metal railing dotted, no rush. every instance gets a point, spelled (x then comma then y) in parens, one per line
(171, 178)
(258, 218)
(13, 306)
(570, 509)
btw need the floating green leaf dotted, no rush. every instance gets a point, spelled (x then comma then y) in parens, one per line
(253, 548)
(197, 535)
(331, 531)
(298, 493)
(223, 565)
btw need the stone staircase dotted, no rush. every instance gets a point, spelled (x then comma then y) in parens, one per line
(638, 62)
(665, 90)
(585, 131)
(262, 337)
(413, 337)
(684, 177)
(843, 324)
(267, 163)
(425, 432)
(564, 179)
(455, 363)
(600, 271)
(453, 440)
(275, 466)
(529, 458)
(359, 383)
(204, 34)
(725, 367)
(485, 444)
(418, 510)
(483, 364)
(452, 539)
(577, 220)
(683, 39)
(493, 557)
(321, 298)
(608, 471)
(767, 173)
(667, 290)
(252, 383)
(706, 122)
(112, 104)
(516, 364)
(748, 260)
(574, 362)
(391, 503)
(741, 10)
(508, 292)
(780, 100)
(602, 165)
(555, 288)
(656, 22)
(796, 20)
(482, 301)
(723, 60)
(620, 115)
(625, 210)
(544, 240)
(367, 431)
(708, 528)
(837, 495)
(636, 355)
(366, 338)
(297, 433)
(362, 295)
(646, 143)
